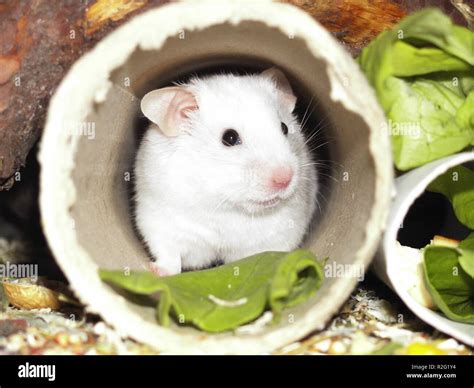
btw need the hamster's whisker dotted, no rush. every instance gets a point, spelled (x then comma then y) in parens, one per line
(312, 164)
(224, 200)
(220, 204)
(315, 106)
(325, 162)
(316, 131)
(306, 116)
(319, 206)
(321, 124)
(322, 174)
(319, 146)
(328, 176)
(322, 196)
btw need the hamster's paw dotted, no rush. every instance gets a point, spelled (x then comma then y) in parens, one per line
(163, 270)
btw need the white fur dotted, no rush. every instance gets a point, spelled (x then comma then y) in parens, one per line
(192, 192)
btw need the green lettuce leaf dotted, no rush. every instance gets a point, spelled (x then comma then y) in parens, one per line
(409, 60)
(423, 74)
(224, 297)
(449, 282)
(467, 258)
(457, 184)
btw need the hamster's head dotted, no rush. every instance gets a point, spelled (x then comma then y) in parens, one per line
(236, 136)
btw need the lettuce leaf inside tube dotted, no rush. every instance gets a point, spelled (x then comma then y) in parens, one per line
(224, 297)
(449, 277)
(449, 270)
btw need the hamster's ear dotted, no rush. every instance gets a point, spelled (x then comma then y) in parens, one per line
(169, 108)
(286, 94)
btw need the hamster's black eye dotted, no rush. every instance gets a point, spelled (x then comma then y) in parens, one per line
(231, 138)
(284, 129)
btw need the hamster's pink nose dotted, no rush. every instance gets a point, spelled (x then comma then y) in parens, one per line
(281, 177)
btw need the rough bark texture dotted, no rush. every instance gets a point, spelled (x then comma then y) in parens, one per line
(40, 40)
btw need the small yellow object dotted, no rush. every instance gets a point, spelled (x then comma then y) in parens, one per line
(31, 296)
(421, 349)
(62, 339)
(445, 241)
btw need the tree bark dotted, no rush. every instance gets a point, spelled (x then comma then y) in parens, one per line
(40, 40)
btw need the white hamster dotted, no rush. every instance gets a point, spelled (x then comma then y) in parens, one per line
(223, 172)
